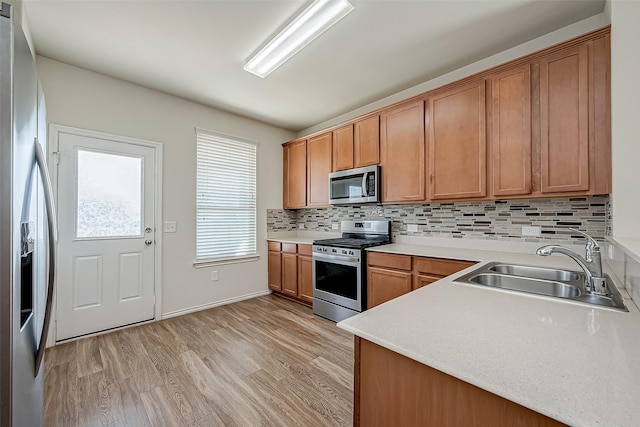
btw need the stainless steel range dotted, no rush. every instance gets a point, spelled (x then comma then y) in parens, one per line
(339, 268)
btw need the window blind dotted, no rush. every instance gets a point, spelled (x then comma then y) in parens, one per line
(226, 197)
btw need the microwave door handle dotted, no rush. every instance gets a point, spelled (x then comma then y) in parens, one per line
(364, 184)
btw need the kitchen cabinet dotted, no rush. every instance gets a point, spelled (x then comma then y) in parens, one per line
(305, 273)
(391, 389)
(319, 161)
(457, 143)
(275, 266)
(295, 175)
(384, 285)
(290, 271)
(510, 130)
(366, 144)
(539, 126)
(343, 148)
(564, 120)
(392, 275)
(402, 153)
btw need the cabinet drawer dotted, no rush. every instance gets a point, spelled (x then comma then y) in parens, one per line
(289, 247)
(274, 246)
(440, 267)
(399, 262)
(304, 249)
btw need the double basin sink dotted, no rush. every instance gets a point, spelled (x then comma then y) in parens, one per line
(564, 284)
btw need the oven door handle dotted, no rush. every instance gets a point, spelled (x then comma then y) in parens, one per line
(336, 258)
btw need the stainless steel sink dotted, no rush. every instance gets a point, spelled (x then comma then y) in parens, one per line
(527, 284)
(536, 272)
(561, 284)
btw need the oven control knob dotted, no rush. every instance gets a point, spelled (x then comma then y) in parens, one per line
(333, 250)
(350, 252)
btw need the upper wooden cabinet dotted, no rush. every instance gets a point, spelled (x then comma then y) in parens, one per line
(564, 121)
(366, 145)
(510, 132)
(343, 148)
(318, 169)
(539, 126)
(457, 143)
(295, 175)
(402, 153)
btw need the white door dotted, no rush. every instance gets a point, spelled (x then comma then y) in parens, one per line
(106, 203)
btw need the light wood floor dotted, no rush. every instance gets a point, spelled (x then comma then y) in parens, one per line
(260, 362)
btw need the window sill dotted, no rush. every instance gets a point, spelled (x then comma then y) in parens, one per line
(211, 262)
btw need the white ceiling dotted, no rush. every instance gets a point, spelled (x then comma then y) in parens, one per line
(196, 49)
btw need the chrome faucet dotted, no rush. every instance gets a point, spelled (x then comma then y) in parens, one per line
(595, 283)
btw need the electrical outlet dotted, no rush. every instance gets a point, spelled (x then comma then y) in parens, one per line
(335, 226)
(532, 231)
(170, 226)
(214, 275)
(412, 228)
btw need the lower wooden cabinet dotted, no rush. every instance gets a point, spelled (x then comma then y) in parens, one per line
(290, 271)
(391, 275)
(275, 270)
(290, 274)
(384, 285)
(305, 278)
(393, 390)
(420, 280)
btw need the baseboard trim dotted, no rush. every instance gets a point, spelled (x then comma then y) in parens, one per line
(177, 313)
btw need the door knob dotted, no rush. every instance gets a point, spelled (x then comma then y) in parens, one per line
(148, 242)
(147, 230)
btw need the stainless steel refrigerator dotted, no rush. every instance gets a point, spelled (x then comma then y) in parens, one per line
(27, 230)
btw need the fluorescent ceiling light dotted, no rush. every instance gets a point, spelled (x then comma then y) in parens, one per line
(314, 20)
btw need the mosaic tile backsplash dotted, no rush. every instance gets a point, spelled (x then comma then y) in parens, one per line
(498, 220)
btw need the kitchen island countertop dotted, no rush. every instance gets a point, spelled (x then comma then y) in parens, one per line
(574, 363)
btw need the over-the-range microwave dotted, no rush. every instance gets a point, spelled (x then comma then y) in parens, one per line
(360, 185)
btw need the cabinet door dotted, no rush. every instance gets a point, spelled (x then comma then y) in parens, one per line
(295, 175)
(318, 169)
(402, 153)
(420, 280)
(457, 143)
(343, 148)
(290, 274)
(511, 132)
(384, 285)
(275, 271)
(305, 279)
(366, 144)
(564, 121)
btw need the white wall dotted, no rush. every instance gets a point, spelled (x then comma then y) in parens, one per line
(625, 111)
(555, 37)
(80, 98)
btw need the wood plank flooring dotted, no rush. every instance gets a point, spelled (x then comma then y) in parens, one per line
(261, 362)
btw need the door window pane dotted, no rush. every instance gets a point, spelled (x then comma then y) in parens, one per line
(109, 195)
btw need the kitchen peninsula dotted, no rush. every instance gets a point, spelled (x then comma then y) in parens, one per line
(562, 361)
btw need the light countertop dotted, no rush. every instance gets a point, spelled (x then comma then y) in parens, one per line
(574, 363)
(293, 239)
(301, 237)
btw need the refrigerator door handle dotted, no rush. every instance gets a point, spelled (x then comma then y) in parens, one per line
(52, 228)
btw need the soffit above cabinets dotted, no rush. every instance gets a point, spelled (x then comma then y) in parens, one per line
(197, 49)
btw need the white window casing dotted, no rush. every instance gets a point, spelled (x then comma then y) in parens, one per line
(225, 199)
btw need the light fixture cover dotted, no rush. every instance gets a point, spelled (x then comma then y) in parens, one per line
(314, 20)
